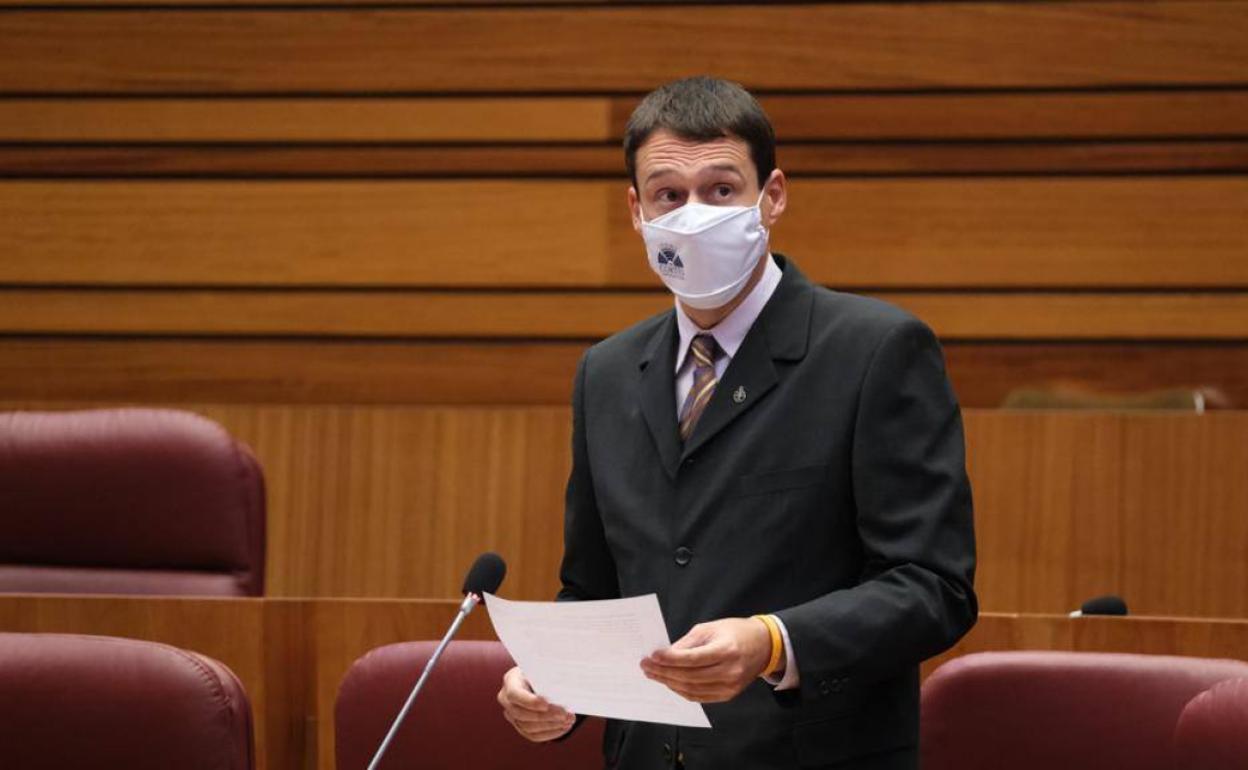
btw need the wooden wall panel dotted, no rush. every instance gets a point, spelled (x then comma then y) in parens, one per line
(1095, 232)
(1150, 507)
(1069, 505)
(589, 315)
(392, 501)
(559, 161)
(907, 47)
(983, 374)
(496, 233)
(600, 119)
(1199, 638)
(291, 372)
(422, 372)
(430, 119)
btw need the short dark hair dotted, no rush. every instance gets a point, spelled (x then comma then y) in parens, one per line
(702, 109)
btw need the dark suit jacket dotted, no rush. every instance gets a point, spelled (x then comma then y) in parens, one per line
(830, 491)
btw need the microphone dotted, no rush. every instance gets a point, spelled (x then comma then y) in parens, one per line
(484, 576)
(1102, 605)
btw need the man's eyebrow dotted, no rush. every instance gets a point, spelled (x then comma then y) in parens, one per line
(726, 166)
(660, 171)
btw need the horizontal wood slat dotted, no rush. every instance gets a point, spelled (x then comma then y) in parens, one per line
(483, 119)
(1199, 638)
(288, 371)
(887, 233)
(589, 315)
(800, 117)
(797, 160)
(524, 373)
(845, 47)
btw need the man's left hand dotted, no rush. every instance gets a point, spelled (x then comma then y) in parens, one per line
(715, 661)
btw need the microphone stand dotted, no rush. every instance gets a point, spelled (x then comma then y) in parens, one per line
(469, 603)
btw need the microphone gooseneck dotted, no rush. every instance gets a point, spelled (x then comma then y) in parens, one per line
(485, 576)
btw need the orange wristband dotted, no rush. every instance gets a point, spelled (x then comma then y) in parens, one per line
(777, 644)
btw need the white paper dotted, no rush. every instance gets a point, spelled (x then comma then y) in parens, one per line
(586, 656)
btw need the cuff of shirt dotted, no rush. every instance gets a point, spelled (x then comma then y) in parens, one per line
(790, 679)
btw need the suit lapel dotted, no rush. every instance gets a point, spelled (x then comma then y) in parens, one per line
(779, 333)
(658, 393)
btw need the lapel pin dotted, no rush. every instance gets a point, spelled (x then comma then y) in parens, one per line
(738, 395)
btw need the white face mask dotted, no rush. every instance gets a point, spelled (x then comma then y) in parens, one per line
(706, 254)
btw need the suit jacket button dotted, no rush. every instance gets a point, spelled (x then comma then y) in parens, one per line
(683, 556)
(838, 685)
(825, 687)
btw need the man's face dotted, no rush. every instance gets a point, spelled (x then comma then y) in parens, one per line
(672, 171)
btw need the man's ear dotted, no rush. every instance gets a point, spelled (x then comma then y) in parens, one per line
(634, 208)
(775, 197)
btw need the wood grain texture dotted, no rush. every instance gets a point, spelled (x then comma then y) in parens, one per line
(390, 501)
(969, 116)
(289, 371)
(492, 372)
(354, 161)
(883, 233)
(305, 233)
(558, 315)
(843, 47)
(1198, 638)
(429, 119)
(482, 119)
(1149, 507)
(394, 501)
(984, 373)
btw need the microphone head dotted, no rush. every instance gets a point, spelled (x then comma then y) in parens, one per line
(486, 574)
(1104, 605)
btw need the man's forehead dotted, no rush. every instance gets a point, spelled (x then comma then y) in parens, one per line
(664, 151)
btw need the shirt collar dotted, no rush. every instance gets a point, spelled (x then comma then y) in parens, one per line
(730, 332)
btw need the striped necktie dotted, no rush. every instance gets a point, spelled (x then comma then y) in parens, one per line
(704, 350)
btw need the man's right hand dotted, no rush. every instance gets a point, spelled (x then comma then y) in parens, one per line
(531, 715)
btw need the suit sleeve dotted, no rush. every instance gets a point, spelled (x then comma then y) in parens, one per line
(588, 569)
(914, 522)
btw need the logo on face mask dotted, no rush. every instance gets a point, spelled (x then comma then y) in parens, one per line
(669, 262)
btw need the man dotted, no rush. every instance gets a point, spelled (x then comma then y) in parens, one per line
(782, 464)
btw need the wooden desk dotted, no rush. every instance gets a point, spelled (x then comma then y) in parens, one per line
(291, 654)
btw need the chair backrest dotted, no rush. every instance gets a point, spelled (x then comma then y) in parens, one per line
(104, 702)
(455, 723)
(1076, 711)
(1212, 733)
(128, 501)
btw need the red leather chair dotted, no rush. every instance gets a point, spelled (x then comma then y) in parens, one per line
(128, 501)
(1212, 733)
(456, 721)
(87, 702)
(1068, 710)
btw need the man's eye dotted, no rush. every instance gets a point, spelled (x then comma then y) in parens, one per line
(723, 191)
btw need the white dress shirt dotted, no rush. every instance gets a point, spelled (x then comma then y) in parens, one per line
(729, 334)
